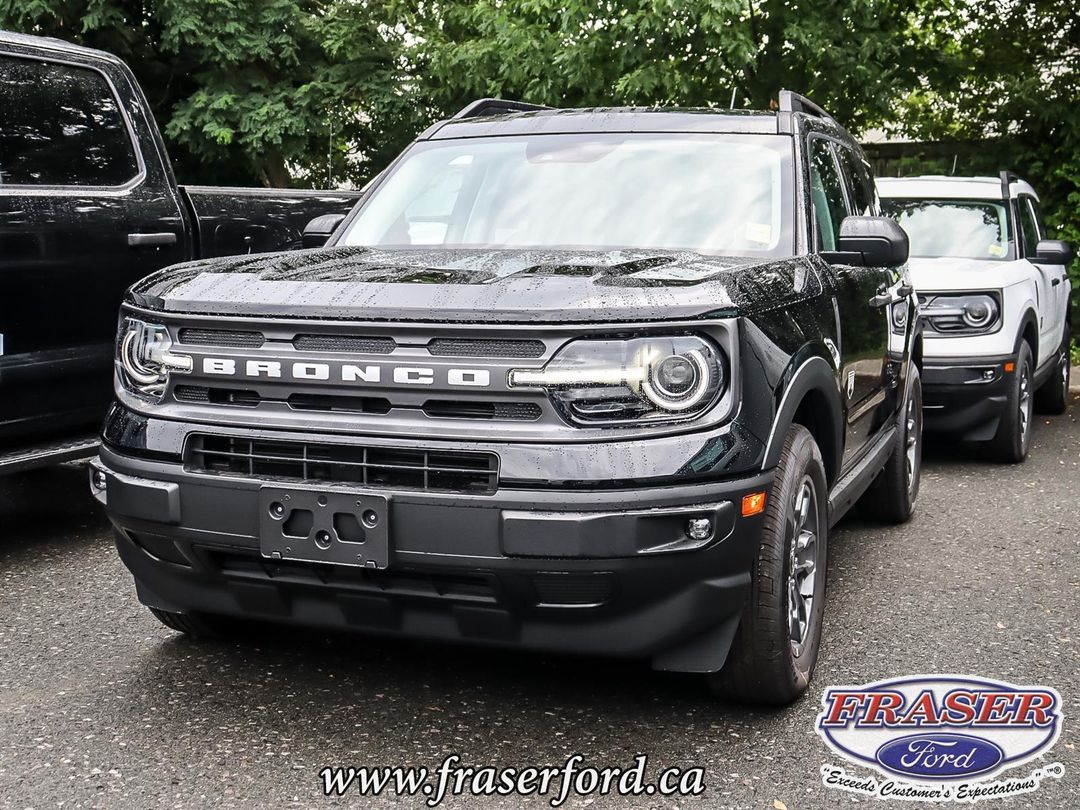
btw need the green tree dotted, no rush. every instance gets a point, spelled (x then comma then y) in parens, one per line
(268, 92)
(1008, 78)
(851, 56)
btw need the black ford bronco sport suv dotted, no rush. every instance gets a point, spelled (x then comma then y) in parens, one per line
(594, 381)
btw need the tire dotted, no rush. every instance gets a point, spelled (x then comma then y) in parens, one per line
(1053, 396)
(766, 665)
(1013, 438)
(892, 496)
(189, 624)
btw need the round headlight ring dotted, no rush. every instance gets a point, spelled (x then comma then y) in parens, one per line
(133, 366)
(979, 312)
(664, 398)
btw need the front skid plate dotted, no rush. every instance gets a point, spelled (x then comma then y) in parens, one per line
(324, 526)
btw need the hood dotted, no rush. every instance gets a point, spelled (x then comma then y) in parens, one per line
(945, 274)
(475, 285)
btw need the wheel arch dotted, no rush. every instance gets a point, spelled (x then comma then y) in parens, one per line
(811, 399)
(1029, 331)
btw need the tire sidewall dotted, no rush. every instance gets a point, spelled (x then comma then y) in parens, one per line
(914, 393)
(1024, 368)
(805, 460)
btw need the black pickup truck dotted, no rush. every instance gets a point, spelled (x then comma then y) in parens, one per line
(88, 205)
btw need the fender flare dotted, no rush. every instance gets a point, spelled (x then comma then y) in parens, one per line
(1029, 316)
(813, 374)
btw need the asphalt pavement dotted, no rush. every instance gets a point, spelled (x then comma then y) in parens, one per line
(101, 706)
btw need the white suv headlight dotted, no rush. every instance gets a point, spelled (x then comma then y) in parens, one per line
(654, 379)
(145, 358)
(970, 314)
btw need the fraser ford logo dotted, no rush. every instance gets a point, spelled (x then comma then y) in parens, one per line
(940, 737)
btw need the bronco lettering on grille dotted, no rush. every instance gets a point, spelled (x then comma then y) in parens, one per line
(344, 372)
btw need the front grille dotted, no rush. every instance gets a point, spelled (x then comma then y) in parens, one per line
(338, 404)
(379, 467)
(573, 590)
(216, 396)
(335, 343)
(454, 409)
(451, 347)
(222, 337)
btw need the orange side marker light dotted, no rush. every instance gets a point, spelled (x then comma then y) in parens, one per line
(1010, 368)
(753, 504)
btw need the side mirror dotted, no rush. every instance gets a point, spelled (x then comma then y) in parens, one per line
(872, 241)
(319, 229)
(1053, 251)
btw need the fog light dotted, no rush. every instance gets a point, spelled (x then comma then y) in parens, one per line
(988, 374)
(699, 529)
(97, 480)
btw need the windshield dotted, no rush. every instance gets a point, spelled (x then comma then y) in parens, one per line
(964, 229)
(723, 194)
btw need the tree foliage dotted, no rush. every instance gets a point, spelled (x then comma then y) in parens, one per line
(267, 92)
(318, 92)
(850, 55)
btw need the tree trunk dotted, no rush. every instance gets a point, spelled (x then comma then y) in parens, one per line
(273, 171)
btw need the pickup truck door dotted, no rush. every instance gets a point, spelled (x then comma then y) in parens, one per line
(861, 302)
(87, 207)
(1051, 281)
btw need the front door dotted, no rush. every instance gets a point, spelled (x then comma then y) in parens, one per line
(864, 324)
(81, 218)
(1052, 282)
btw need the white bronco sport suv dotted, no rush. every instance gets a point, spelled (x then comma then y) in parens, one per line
(995, 302)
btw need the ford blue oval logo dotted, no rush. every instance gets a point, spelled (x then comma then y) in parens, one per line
(940, 729)
(939, 756)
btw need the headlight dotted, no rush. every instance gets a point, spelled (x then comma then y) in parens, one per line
(661, 379)
(962, 314)
(145, 358)
(899, 316)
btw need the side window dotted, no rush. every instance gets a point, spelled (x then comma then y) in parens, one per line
(1029, 226)
(858, 181)
(60, 126)
(826, 194)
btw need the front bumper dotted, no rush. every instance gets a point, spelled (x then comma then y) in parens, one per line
(966, 396)
(587, 571)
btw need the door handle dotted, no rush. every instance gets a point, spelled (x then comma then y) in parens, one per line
(151, 239)
(1055, 282)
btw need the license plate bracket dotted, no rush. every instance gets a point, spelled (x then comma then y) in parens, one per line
(324, 526)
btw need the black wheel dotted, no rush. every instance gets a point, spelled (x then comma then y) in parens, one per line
(892, 496)
(190, 624)
(776, 646)
(1014, 433)
(1053, 395)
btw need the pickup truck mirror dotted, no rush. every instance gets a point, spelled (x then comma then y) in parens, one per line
(319, 229)
(1053, 251)
(870, 241)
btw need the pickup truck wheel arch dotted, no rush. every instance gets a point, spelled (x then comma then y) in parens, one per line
(811, 399)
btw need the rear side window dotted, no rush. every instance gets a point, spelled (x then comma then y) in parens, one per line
(61, 126)
(826, 193)
(1029, 225)
(858, 180)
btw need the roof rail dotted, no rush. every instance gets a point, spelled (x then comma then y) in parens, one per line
(496, 106)
(1007, 179)
(793, 102)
